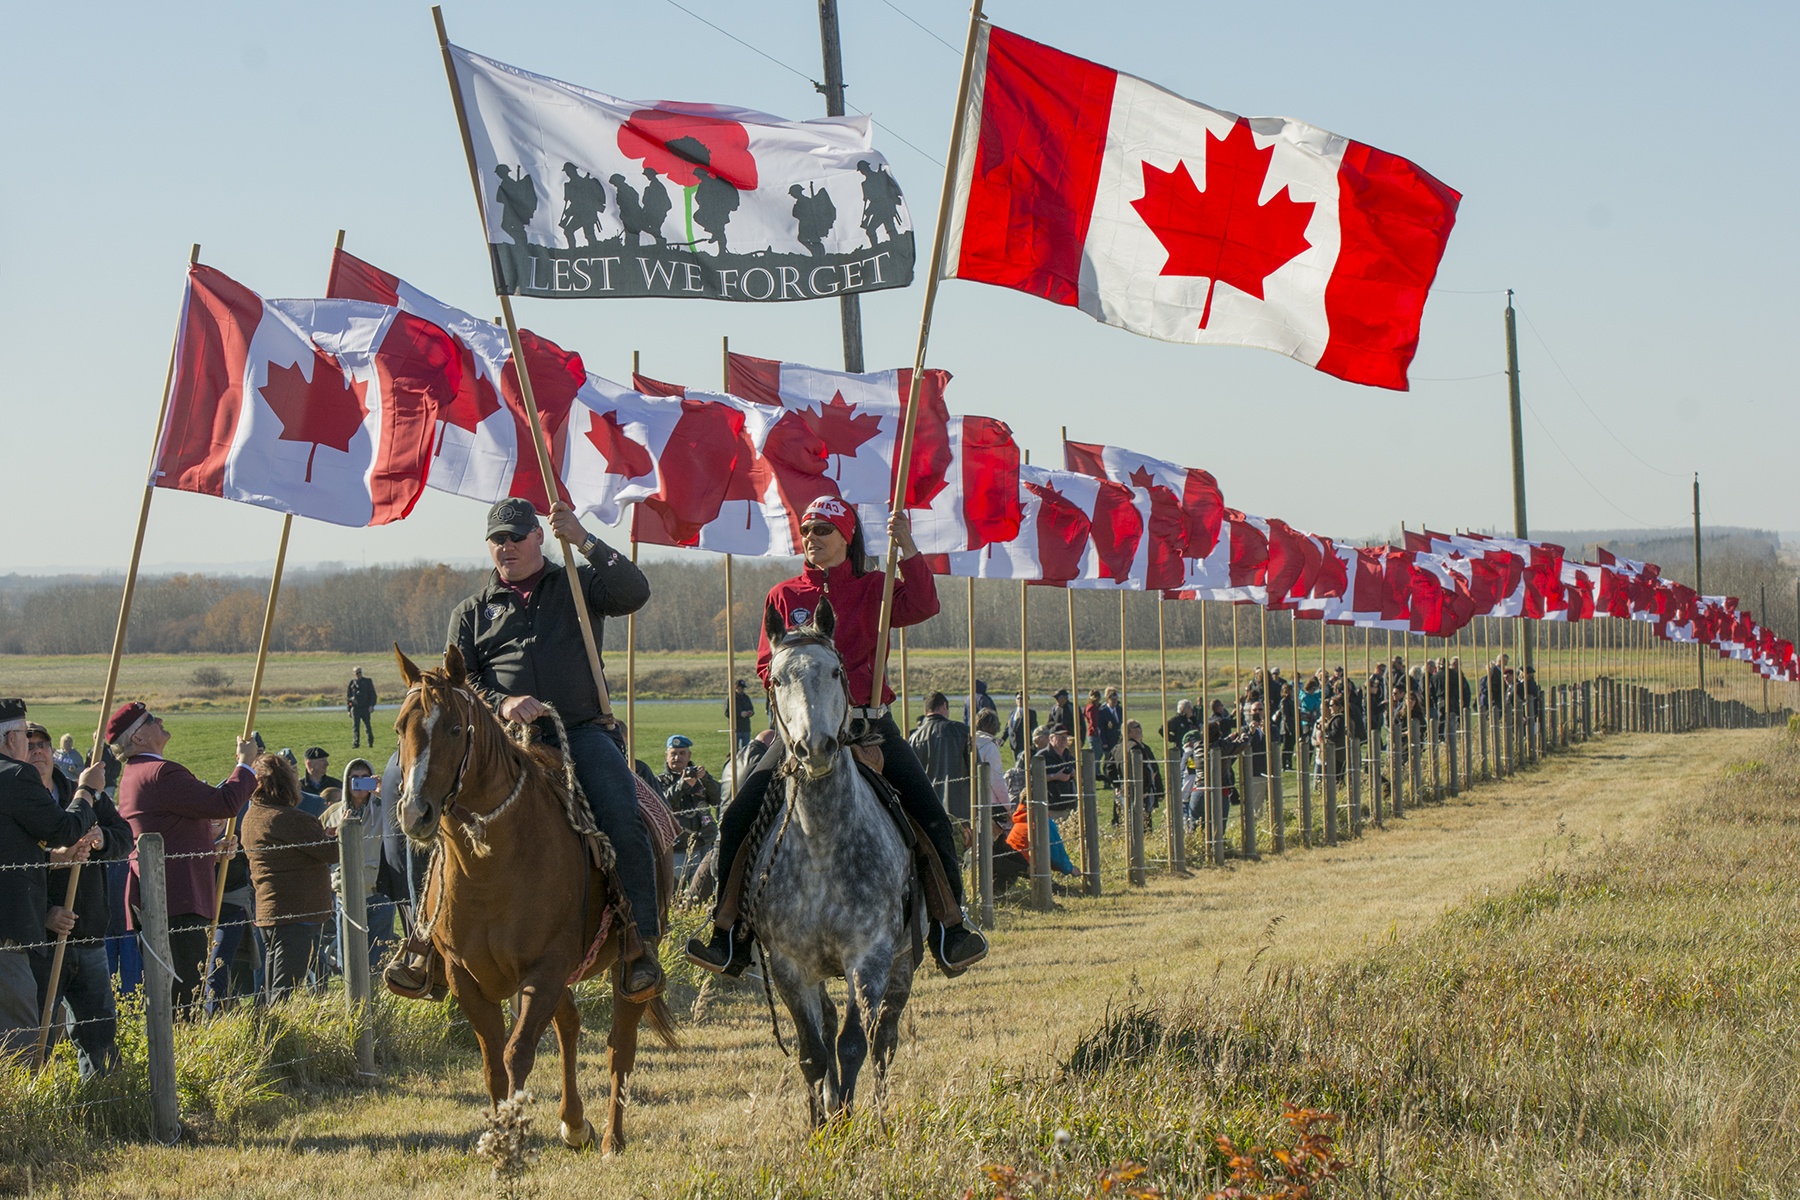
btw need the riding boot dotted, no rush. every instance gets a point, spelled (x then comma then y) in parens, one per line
(727, 952)
(955, 944)
(641, 979)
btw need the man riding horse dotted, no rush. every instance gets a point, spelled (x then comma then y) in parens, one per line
(836, 569)
(521, 644)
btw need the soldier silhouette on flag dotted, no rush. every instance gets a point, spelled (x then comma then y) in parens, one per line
(584, 199)
(656, 205)
(815, 214)
(881, 202)
(518, 200)
(714, 202)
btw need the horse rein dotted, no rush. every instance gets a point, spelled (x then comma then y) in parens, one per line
(474, 824)
(841, 738)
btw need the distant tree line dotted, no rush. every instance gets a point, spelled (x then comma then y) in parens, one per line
(369, 609)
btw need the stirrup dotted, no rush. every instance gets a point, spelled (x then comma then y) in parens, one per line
(731, 959)
(652, 984)
(409, 973)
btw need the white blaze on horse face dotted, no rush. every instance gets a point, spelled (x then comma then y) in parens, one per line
(415, 778)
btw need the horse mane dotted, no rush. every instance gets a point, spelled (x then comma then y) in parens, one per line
(544, 765)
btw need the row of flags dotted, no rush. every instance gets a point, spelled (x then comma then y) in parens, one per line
(1073, 182)
(345, 408)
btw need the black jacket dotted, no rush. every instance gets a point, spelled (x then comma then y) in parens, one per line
(30, 819)
(535, 649)
(359, 694)
(91, 911)
(1018, 734)
(943, 749)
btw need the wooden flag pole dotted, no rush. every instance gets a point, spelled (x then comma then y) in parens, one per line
(977, 803)
(730, 602)
(631, 644)
(903, 465)
(538, 442)
(112, 669)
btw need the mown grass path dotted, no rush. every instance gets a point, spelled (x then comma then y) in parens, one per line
(728, 1100)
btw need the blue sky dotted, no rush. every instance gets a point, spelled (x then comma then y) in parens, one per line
(1623, 166)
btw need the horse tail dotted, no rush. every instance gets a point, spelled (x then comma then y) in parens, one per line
(663, 1022)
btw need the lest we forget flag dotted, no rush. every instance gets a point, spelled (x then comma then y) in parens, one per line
(586, 195)
(1103, 192)
(319, 408)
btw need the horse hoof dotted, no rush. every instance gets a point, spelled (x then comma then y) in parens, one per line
(578, 1140)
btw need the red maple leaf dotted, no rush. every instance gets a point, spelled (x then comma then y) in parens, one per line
(328, 411)
(1222, 233)
(624, 457)
(475, 399)
(838, 425)
(1142, 478)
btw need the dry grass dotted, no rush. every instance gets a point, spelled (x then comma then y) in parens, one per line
(1578, 983)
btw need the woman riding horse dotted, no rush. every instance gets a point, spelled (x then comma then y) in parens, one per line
(836, 568)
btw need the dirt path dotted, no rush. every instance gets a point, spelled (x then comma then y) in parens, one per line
(728, 1092)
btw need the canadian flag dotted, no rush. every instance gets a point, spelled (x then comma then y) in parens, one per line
(676, 456)
(979, 503)
(1188, 493)
(1096, 190)
(319, 408)
(777, 469)
(1074, 531)
(1237, 569)
(483, 446)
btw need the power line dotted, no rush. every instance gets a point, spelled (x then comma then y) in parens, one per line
(1534, 416)
(928, 33)
(1455, 378)
(793, 70)
(1461, 292)
(1590, 408)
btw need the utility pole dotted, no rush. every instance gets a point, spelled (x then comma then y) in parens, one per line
(849, 306)
(1699, 648)
(1520, 527)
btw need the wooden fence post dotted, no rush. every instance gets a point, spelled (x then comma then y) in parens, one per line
(983, 812)
(1037, 821)
(1353, 773)
(1450, 729)
(1176, 815)
(1214, 806)
(1328, 773)
(1303, 752)
(1247, 802)
(159, 994)
(353, 894)
(1089, 801)
(1131, 789)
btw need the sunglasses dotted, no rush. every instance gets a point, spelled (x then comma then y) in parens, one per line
(819, 530)
(505, 536)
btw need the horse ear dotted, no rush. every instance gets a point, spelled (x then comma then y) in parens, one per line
(774, 628)
(453, 665)
(409, 670)
(825, 618)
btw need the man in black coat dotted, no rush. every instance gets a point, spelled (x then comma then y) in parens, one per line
(359, 700)
(521, 644)
(86, 983)
(30, 819)
(1019, 727)
(943, 749)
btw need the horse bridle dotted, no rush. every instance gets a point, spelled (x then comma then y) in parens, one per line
(450, 806)
(793, 641)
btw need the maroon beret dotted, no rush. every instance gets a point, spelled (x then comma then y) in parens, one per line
(123, 718)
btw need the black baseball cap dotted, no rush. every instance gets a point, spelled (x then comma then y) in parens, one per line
(514, 515)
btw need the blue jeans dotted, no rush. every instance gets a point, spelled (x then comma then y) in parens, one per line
(612, 795)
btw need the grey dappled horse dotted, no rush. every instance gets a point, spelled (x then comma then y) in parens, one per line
(828, 882)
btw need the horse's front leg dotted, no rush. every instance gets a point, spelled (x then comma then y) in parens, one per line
(538, 1004)
(488, 1020)
(577, 1131)
(867, 981)
(818, 1065)
(621, 1060)
(886, 1019)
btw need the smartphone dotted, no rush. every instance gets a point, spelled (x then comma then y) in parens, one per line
(365, 783)
(256, 736)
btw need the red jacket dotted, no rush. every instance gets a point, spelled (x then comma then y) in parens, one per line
(159, 796)
(856, 600)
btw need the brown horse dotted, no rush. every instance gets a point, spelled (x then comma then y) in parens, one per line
(515, 900)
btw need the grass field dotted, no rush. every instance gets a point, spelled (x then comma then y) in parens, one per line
(1581, 982)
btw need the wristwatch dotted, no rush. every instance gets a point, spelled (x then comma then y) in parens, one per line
(587, 547)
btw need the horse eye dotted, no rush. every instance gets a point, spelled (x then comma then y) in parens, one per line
(456, 731)
(836, 673)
